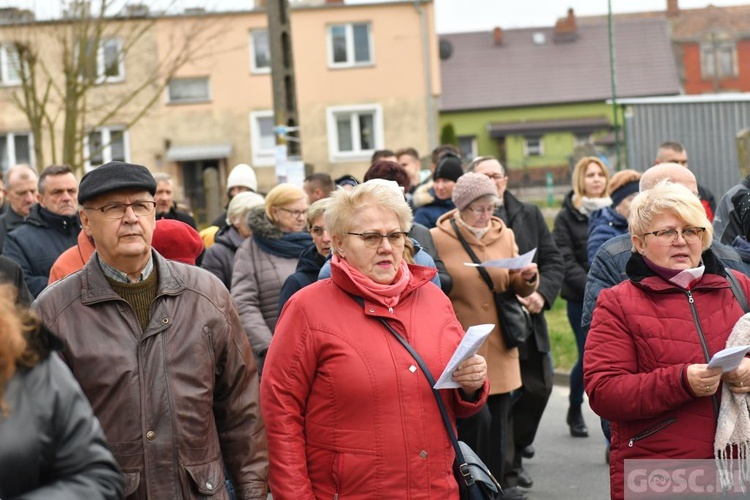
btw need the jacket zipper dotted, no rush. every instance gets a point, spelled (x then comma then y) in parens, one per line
(651, 430)
(702, 338)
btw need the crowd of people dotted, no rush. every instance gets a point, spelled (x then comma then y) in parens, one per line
(142, 359)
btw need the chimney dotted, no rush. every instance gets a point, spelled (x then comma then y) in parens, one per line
(497, 35)
(565, 29)
(673, 8)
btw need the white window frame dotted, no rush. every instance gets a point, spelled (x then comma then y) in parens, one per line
(332, 131)
(261, 157)
(531, 151)
(254, 68)
(107, 149)
(11, 145)
(350, 62)
(5, 60)
(208, 98)
(712, 50)
(581, 139)
(100, 62)
(472, 153)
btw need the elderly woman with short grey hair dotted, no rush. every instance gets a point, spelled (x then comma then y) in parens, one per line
(652, 336)
(219, 257)
(348, 414)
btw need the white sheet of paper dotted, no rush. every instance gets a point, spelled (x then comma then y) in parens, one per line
(513, 263)
(470, 344)
(729, 359)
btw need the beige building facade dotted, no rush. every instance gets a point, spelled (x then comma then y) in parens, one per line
(367, 78)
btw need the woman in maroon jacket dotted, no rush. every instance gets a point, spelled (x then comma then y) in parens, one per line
(348, 412)
(645, 362)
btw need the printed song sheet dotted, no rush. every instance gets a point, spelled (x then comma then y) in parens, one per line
(468, 347)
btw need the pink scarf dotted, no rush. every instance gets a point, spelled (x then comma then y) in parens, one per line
(386, 295)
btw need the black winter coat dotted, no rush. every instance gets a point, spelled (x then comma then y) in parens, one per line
(37, 244)
(308, 267)
(530, 229)
(571, 234)
(51, 445)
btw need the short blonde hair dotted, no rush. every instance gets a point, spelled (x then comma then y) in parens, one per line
(241, 205)
(281, 195)
(668, 197)
(579, 176)
(316, 209)
(345, 205)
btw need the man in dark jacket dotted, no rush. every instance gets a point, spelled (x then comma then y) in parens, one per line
(166, 208)
(531, 231)
(162, 356)
(51, 227)
(20, 192)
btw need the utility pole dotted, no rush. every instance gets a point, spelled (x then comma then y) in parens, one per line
(613, 75)
(283, 81)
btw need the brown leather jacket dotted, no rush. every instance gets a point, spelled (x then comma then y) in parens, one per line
(175, 399)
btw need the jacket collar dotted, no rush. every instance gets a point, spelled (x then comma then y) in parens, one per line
(639, 273)
(95, 287)
(512, 205)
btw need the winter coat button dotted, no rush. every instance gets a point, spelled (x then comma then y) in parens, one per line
(150, 435)
(209, 486)
(412, 368)
(165, 320)
(486, 307)
(423, 455)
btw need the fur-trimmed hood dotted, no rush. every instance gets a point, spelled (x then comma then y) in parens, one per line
(424, 195)
(261, 225)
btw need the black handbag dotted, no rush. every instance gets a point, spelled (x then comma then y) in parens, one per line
(475, 481)
(514, 319)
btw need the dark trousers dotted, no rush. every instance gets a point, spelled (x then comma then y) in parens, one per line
(575, 311)
(528, 407)
(486, 432)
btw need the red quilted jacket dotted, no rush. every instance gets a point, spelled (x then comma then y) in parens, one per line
(348, 414)
(643, 337)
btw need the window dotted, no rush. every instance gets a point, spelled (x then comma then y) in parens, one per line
(581, 139)
(10, 66)
(468, 146)
(260, 52)
(187, 90)
(719, 59)
(533, 146)
(104, 145)
(349, 45)
(262, 138)
(354, 132)
(15, 149)
(105, 64)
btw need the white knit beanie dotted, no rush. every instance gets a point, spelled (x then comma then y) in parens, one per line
(242, 175)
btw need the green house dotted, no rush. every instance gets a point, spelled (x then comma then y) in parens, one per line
(536, 98)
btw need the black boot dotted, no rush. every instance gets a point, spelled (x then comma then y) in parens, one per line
(575, 422)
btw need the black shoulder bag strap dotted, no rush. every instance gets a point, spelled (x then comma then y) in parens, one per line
(462, 465)
(737, 290)
(482, 271)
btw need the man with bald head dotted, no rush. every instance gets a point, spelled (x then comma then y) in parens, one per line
(608, 267)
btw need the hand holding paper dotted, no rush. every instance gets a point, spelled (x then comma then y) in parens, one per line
(470, 344)
(729, 359)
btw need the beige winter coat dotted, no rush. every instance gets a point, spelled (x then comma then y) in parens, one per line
(471, 297)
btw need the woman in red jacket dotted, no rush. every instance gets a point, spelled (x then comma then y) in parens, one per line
(645, 362)
(348, 412)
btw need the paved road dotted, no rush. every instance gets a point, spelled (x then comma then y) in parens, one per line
(566, 467)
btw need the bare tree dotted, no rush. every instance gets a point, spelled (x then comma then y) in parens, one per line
(72, 70)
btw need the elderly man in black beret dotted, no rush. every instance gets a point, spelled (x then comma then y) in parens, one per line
(159, 350)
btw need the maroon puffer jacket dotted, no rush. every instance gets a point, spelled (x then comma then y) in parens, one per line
(643, 337)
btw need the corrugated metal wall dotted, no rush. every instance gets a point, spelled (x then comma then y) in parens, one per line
(706, 129)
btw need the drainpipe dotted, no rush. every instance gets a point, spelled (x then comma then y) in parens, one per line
(431, 111)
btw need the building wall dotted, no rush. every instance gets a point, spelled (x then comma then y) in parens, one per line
(695, 83)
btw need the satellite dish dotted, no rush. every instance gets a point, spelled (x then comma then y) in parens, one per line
(446, 50)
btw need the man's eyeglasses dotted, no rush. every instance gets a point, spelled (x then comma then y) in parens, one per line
(669, 236)
(495, 177)
(294, 213)
(118, 210)
(374, 240)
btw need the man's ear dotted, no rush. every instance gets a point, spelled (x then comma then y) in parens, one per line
(85, 222)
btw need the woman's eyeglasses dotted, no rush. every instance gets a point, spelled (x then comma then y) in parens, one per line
(294, 213)
(118, 210)
(479, 211)
(374, 240)
(669, 236)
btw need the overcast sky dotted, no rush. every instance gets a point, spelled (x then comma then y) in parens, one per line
(452, 15)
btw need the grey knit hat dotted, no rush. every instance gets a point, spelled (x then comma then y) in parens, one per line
(471, 186)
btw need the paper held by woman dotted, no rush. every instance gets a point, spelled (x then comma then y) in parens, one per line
(470, 344)
(514, 263)
(729, 359)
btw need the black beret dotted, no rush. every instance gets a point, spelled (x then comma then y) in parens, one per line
(115, 176)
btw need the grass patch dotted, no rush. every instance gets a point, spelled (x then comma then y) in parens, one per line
(562, 340)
